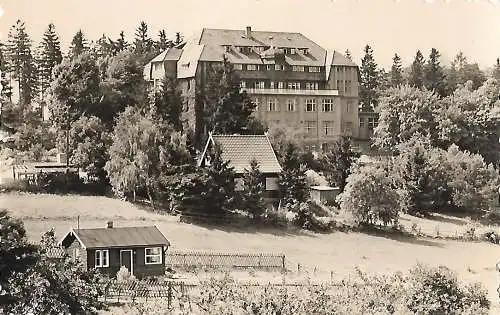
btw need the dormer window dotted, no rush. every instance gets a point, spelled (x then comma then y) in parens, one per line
(244, 49)
(304, 51)
(293, 51)
(227, 48)
(287, 51)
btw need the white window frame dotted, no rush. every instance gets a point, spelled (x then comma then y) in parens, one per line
(347, 107)
(146, 256)
(101, 254)
(310, 102)
(372, 122)
(281, 85)
(271, 84)
(251, 67)
(272, 105)
(238, 66)
(314, 69)
(278, 67)
(362, 122)
(291, 105)
(243, 84)
(259, 84)
(328, 127)
(327, 105)
(311, 125)
(269, 67)
(298, 68)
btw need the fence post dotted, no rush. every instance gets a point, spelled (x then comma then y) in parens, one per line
(283, 262)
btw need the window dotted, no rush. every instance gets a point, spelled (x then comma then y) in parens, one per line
(310, 105)
(76, 253)
(281, 85)
(258, 49)
(348, 127)
(304, 51)
(189, 85)
(314, 69)
(245, 49)
(256, 101)
(361, 122)
(298, 68)
(272, 105)
(372, 122)
(243, 84)
(252, 67)
(157, 66)
(227, 49)
(271, 84)
(153, 255)
(238, 66)
(327, 105)
(328, 127)
(348, 107)
(269, 67)
(310, 127)
(102, 258)
(259, 84)
(279, 67)
(340, 85)
(312, 86)
(348, 86)
(290, 105)
(288, 51)
(294, 85)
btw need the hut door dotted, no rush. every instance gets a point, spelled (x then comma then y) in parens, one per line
(126, 260)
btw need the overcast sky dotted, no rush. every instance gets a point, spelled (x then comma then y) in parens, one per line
(389, 26)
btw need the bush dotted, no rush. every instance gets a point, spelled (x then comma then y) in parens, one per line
(275, 218)
(370, 197)
(123, 275)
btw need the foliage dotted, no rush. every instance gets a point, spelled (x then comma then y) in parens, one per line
(119, 44)
(434, 77)
(252, 194)
(168, 103)
(461, 71)
(143, 44)
(369, 80)
(79, 45)
(124, 275)
(292, 179)
(281, 136)
(396, 73)
(33, 283)
(51, 56)
(416, 75)
(370, 196)
(337, 162)
(404, 112)
(496, 70)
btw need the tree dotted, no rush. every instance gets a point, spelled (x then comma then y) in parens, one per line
(163, 42)
(496, 71)
(369, 80)
(21, 61)
(226, 109)
(252, 194)
(6, 88)
(50, 57)
(337, 162)
(168, 103)
(120, 44)
(370, 196)
(348, 54)
(103, 48)
(416, 75)
(178, 39)
(460, 72)
(434, 78)
(292, 179)
(396, 74)
(404, 112)
(79, 45)
(143, 45)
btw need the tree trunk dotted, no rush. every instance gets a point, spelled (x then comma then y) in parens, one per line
(134, 194)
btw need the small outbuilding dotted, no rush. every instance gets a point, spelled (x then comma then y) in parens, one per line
(324, 194)
(140, 249)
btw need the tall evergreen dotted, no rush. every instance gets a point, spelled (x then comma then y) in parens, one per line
(21, 61)
(369, 80)
(79, 44)
(396, 74)
(348, 54)
(103, 47)
(434, 74)
(6, 93)
(178, 38)
(163, 42)
(416, 76)
(462, 71)
(120, 44)
(168, 103)
(143, 45)
(50, 55)
(496, 70)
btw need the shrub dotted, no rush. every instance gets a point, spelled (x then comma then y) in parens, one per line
(370, 197)
(275, 218)
(123, 275)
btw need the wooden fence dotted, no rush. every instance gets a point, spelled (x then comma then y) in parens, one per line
(188, 259)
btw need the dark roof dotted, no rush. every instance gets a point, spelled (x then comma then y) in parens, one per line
(120, 237)
(240, 150)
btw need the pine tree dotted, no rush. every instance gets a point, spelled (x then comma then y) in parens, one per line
(178, 39)
(496, 70)
(337, 162)
(348, 54)
(103, 48)
(50, 56)
(120, 44)
(6, 93)
(434, 74)
(462, 71)
(292, 180)
(396, 74)
(79, 44)
(168, 103)
(143, 44)
(252, 194)
(416, 76)
(163, 42)
(369, 80)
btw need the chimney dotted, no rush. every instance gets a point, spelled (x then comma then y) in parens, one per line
(248, 32)
(110, 224)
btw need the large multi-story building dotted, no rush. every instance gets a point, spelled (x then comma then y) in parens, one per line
(293, 81)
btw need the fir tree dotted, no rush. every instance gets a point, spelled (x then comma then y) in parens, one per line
(416, 76)
(6, 88)
(338, 161)
(50, 56)
(369, 80)
(103, 48)
(143, 44)
(178, 39)
(168, 103)
(252, 194)
(79, 44)
(348, 54)
(434, 74)
(292, 180)
(120, 44)
(496, 70)
(396, 74)
(163, 42)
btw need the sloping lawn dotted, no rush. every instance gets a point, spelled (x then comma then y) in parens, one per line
(331, 255)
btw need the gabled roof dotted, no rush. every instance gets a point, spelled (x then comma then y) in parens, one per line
(118, 237)
(240, 150)
(341, 60)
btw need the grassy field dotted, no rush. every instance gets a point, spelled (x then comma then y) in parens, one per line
(336, 254)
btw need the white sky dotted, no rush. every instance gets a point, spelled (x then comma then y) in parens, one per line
(389, 26)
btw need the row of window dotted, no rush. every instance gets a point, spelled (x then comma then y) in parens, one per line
(327, 105)
(344, 85)
(152, 256)
(371, 122)
(276, 67)
(259, 49)
(281, 85)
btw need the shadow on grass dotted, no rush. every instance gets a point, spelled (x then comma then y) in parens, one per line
(400, 237)
(440, 218)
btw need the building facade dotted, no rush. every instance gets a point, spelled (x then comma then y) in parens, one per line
(294, 82)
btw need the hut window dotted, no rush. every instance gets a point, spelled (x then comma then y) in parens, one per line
(102, 258)
(153, 255)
